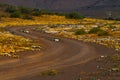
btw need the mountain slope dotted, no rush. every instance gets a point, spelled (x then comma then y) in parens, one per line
(83, 6)
(52, 4)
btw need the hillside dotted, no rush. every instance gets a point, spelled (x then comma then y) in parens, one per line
(45, 44)
(88, 7)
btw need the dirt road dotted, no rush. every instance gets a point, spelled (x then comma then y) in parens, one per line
(68, 56)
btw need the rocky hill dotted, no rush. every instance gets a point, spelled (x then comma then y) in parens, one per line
(88, 7)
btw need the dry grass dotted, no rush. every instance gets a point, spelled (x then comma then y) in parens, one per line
(14, 45)
(10, 44)
(45, 19)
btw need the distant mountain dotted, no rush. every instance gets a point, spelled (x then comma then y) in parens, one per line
(99, 8)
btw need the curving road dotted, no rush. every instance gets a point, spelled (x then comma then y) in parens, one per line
(67, 56)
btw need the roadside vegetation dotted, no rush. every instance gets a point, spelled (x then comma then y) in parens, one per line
(49, 73)
(10, 44)
(105, 32)
(74, 15)
(71, 25)
(12, 15)
(13, 10)
(99, 32)
(102, 32)
(21, 16)
(80, 32)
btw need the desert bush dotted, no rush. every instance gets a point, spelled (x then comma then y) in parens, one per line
(11, 9)
(103, 33)
(80, 32)
(93, 78)
(49, 73)
(112, 18)
(28, 17)
(116, 57)
(25, 10)
(112, 27)
(36, 12)
(94, 30)
(74, 15)
(98, 31)
(47, 12)
(53, 26)
(15, 15)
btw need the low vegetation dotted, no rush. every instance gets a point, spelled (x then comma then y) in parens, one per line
(87, 29)
(80, 32)
(19, 12)
(49, 73)
(10, 9)
(74, 15)
(98, 31)
(28, 17)
(10, 44)
(94, 30)
(15, 15)
(103, 32)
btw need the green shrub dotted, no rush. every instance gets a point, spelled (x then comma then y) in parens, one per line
(80, 32)
(29, 17)
(98, 31)
(45, 12)
(74, 16)
(49, 73)
(36, 12)
(53, 26)
(94, 30)
(93, 78)
(25, 10)
(11, 9)
(15, 15)
(103, 33)
(112, 27)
